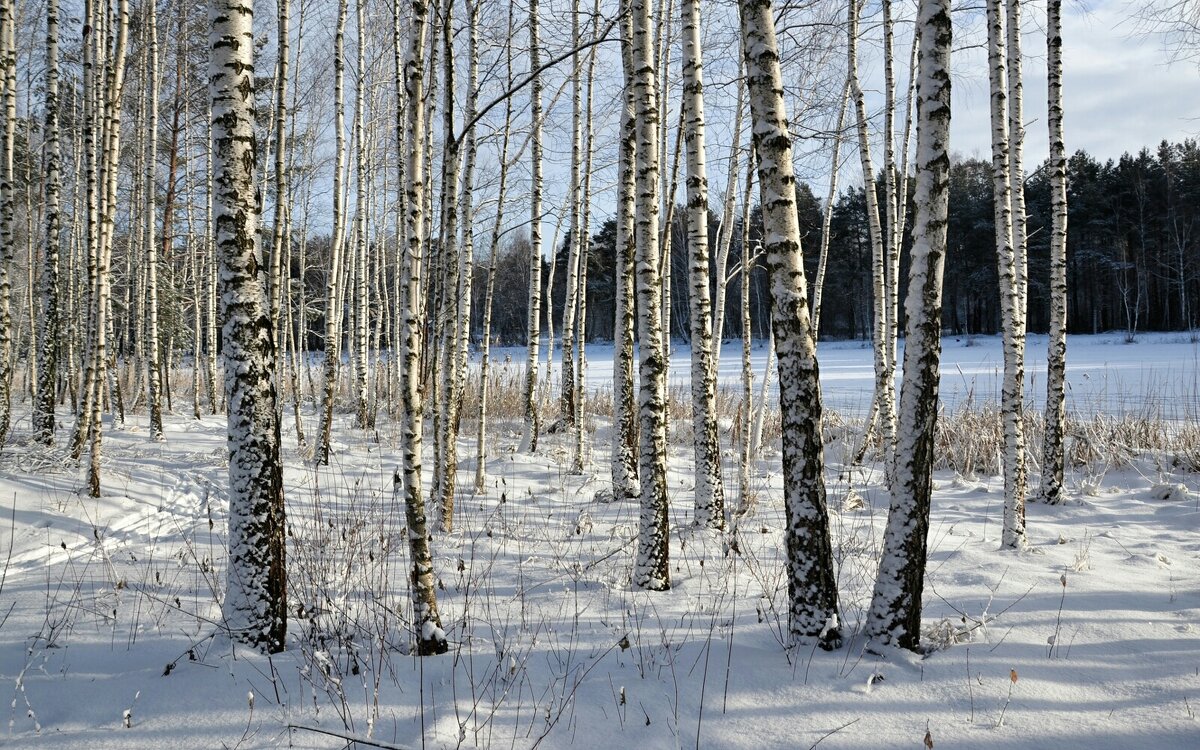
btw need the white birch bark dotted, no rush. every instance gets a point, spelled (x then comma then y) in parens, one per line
(8, 71)
(1011, 394)
(430, 638)
(530, 438)
(333, 299)
(364, 417)
(812, 583)
(651, 569)
(571, 297)
(827, 214)
(255, 605)
(1056, 357)
(725, 231)
(895, 614)
(48, 333)
(710, 491)
(153, 355)
(884, 406)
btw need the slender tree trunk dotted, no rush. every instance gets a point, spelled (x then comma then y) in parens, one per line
(364, 417)
(895, 614)
(530, 439)
(725, 233)
(255, 606)
(1011, 394)
(333, 299)
(567, 398)
(279, 273)
(710, 491)
(651, 569)
(746, 501)
(580, 459)
(625, 419)
(811, 581)
(427, 624)
(153, 356)
(884, 407)
(8, 68)
(827, 214)
(1056, 357)
(48, 335)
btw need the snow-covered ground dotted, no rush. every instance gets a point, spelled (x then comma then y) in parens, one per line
(107, 605)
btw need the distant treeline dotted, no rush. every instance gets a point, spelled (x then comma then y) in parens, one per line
(1134, 235)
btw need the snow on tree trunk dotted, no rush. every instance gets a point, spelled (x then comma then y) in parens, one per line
(48, 332)
(1056, 356)
(651, 567)
(625, 425)
(710, 491)
(255, 605)
(427, 624)
(894, 617)
(1011, 393)
(530, 438)
(812, 585)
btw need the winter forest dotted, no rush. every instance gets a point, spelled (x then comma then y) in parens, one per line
(647, 373)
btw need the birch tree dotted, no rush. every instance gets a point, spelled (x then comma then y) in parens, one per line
(710, 491)
(48, 333)
(153, 358)
(8, 101)
(430, 638)
(1011, 394)
(530, 439)
(255, 606)
(894, 617)
(651, 567)
(363, 415)
(625, 422)
(1056, 356)
(812, 584)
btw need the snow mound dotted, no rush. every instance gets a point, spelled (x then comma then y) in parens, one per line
(1170, 492)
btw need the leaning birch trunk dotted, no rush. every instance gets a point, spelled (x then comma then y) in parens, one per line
(895, 614)
(625, 425)
(333, 299)
(364, 417)
(48, 333)
(279, 272)
(1056, 356)
(812, 584)
(1011, 398)
(710, 491)
(651, 568)
(466, 257)
(827, 215)
(255, 606)
(8, 68)
(746, 498)
(153, 357)
(427, 624)
(530, 439)
(884, 404)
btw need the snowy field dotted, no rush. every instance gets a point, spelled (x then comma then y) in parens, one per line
(1089, 640)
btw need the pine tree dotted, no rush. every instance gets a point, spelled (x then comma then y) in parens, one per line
(255, 606)
(894, 617)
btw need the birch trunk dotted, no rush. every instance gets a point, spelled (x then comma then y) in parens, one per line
(884, 407)
(48, 335)
(895, 614)
(153, 354)
(651, 568)
(333, 299)
(812, 584)
(255, 606)
(430, 638)
(364, 417)
(1056, 356)
(567, 399)
(827, 214)
(725, 232)
(530, 439)
(1011, 394)
(625, 424)
(8, 68)
(710, 491)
